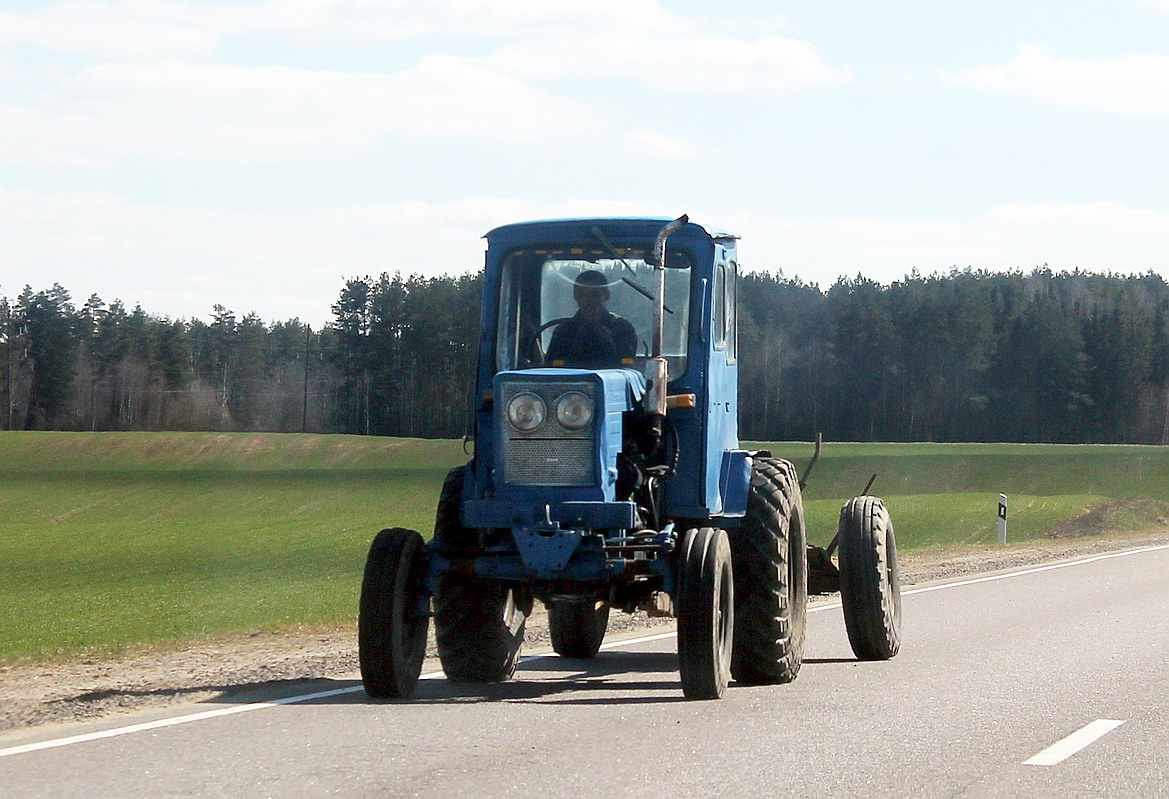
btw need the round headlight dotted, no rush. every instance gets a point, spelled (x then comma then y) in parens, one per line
(574, 410)
(526, 411)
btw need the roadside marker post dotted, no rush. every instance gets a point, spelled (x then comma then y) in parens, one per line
(1002, 518)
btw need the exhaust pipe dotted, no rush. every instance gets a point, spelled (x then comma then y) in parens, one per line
(656, 367)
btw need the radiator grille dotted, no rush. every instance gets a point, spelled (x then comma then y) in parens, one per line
(556, 462)
(548, 455)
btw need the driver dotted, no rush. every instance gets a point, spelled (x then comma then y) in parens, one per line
(595, 338)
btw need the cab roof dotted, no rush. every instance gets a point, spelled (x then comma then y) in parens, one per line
(613, 225)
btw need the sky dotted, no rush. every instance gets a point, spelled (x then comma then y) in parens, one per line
(257, 153)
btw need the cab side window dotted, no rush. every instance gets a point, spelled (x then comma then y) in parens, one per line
(732, 328)
(718, 322)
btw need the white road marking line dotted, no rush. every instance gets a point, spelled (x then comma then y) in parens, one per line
(1034, 570)
(291, 700)
(1062, 749)
(233, 710)
(174, 720)
(642, 640)
(829, 606)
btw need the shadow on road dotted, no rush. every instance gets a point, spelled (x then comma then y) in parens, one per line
(542, 677)
(547, 677)
(234, 693)
(612, 678)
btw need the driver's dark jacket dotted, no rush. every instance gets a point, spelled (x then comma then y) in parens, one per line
(598, 344)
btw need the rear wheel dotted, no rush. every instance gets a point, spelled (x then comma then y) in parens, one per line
(706, 613)
(771, 577)
(479, 628)
(393, 619)
(578, 627)
(870, 579)
(478, 624)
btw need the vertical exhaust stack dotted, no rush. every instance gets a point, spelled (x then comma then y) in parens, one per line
(656, 367)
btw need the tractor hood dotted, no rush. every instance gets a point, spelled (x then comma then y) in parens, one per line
(557, 434)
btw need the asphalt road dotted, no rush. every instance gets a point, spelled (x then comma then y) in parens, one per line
(992, 673)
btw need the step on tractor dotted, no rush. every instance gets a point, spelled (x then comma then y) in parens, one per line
(607, 474)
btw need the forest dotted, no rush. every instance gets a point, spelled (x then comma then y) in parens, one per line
(1040, 356)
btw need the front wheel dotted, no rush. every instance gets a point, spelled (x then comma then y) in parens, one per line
(394, 615)
(870, 579)
(706, 613)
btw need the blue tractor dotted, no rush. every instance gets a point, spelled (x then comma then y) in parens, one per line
(607, 473)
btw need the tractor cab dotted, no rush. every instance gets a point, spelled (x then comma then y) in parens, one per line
(636, 412)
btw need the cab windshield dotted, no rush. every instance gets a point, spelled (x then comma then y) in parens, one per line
(590, 309)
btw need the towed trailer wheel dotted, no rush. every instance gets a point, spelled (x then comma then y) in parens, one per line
(394, 615)
(870, 579)
(706, 613)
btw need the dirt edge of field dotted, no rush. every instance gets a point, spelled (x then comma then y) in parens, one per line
(87, 688)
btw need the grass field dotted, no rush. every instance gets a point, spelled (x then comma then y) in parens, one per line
(945, 495)
(109, 540)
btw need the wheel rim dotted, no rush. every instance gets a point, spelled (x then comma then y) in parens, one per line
(892, 582)
(413, 623)
(724, 619)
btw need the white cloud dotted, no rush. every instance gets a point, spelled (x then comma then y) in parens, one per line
(30, 136)
(148, 85)
(635, 38)
(1135, 84)
(213, 112)
(181, 261)
(122, 30)
(147, 27)
(1092, 236)
(657, 145)
(681, 59)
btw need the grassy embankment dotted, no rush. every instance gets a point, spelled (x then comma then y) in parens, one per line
(112, 540)
(946, 495)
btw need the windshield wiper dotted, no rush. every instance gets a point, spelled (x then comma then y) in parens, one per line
(640, 289)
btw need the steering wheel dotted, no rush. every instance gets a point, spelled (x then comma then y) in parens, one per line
(534, 341)
(553, 323)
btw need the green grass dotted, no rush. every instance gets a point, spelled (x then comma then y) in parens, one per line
(110, 540)
(946, 495)
(113, 540)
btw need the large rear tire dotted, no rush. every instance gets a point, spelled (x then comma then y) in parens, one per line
(478, 624)
(706, 613)
(870, 579)
(393, 619)
(771, 577)
(479, 628)
(578, 627)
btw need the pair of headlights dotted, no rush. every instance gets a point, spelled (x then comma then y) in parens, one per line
(527, 411)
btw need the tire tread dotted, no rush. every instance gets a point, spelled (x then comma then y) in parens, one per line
(391, 646)
(769, 553)
(478, 628)
(868, 561)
